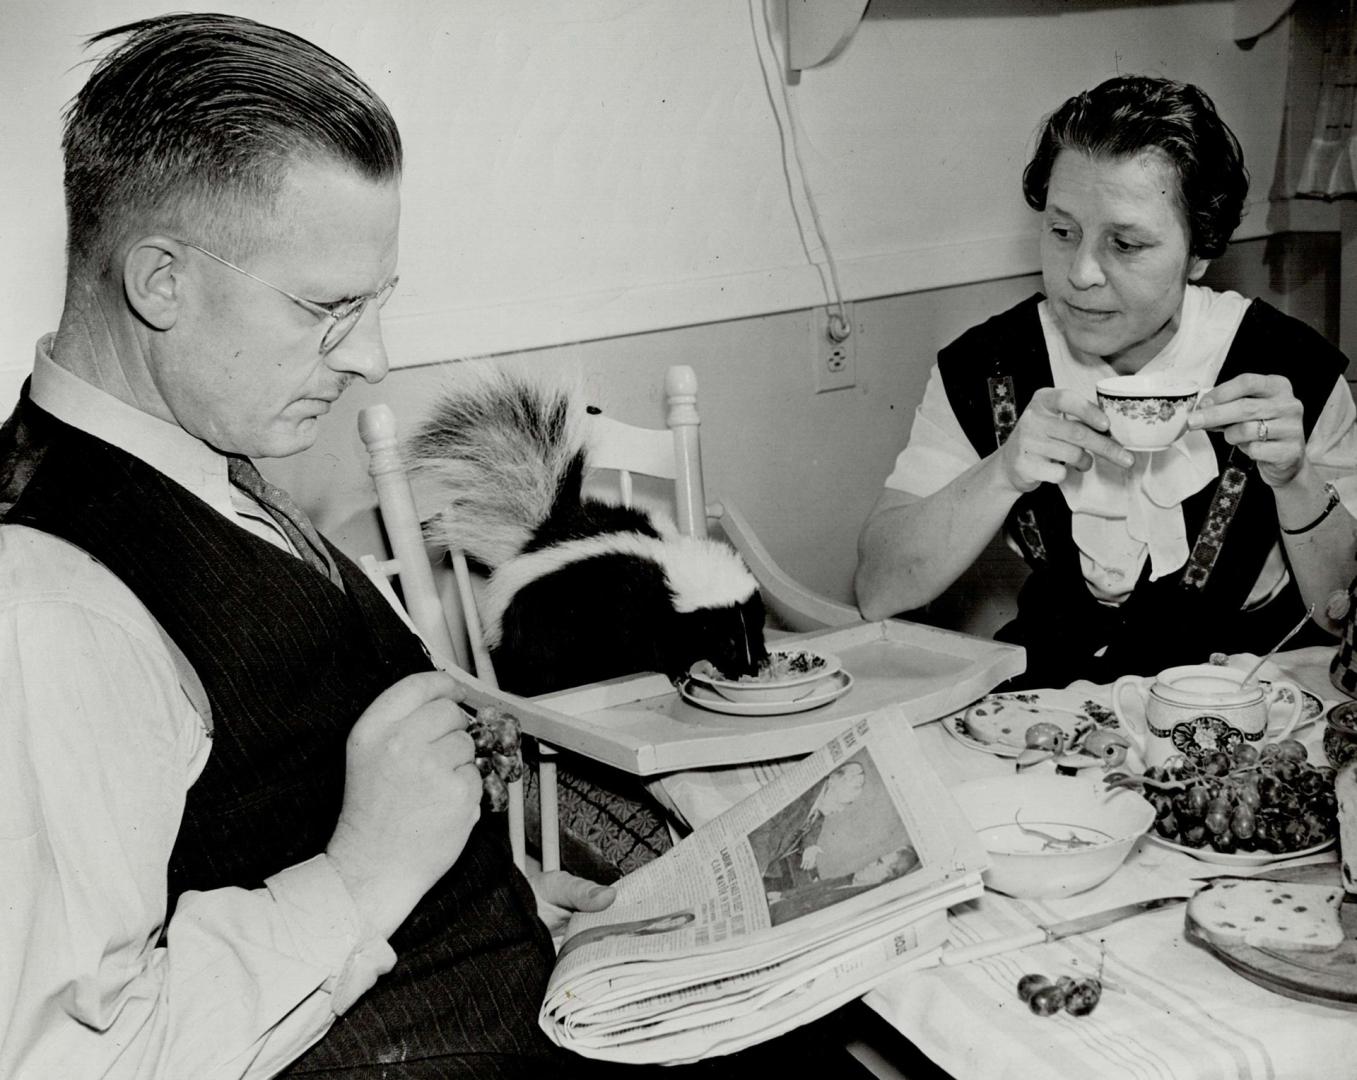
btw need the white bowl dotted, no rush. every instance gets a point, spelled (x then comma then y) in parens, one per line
(768, 689)
(1147, 412)
(1103, 827)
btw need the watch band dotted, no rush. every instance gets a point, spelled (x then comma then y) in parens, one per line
(1334, 500)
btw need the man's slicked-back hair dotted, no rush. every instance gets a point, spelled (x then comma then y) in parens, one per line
(191, 123)
(1129, 114)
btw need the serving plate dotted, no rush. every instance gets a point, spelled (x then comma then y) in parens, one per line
(997, 724)
(830, 688)
(1240, 858)
(1325, 978)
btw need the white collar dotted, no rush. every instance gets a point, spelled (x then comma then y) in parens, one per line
(1121, 516)
(165, 447)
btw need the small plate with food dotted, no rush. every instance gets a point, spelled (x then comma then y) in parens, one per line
(789, 674)
(998, 723)
(822, 692)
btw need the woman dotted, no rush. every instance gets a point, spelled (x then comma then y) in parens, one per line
(1139, 560)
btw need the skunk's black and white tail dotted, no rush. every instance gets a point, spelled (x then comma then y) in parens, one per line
(498, 456)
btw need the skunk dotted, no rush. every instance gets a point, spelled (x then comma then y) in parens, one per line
(580, 589)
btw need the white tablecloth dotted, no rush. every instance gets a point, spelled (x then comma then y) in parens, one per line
(1171, 1011)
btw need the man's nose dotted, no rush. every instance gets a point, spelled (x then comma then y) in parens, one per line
(363, 351)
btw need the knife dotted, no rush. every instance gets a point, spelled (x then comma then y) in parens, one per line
(1039, 935)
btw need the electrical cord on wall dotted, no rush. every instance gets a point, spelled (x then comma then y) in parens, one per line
(839, 327)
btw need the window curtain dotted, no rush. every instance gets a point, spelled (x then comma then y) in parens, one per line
(1329, 169)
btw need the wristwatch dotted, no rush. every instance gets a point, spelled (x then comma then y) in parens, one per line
(1334, 500)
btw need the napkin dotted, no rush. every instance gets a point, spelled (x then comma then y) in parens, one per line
(1122, 516)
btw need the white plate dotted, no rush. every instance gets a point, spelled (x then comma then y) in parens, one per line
(1239, 858)
(831, 688)
(1066, 708)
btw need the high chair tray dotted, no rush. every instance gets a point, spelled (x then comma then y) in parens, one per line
(642, 725)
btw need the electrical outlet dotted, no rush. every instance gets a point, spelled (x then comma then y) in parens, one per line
(835, 361)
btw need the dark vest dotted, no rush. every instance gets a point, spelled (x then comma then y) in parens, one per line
(289, 662)
(991, 373)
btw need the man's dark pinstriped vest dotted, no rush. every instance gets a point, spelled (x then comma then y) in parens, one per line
(288, 662)
(1174, 620)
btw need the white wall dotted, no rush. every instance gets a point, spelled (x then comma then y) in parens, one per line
(584, 169)
(610, 172)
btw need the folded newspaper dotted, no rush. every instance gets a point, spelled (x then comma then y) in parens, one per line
(797, 899)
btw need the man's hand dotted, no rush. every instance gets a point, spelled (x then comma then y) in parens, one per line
(1262, 416)
(1057, 432)
(810, 856)
(559, 893)
(412, 794)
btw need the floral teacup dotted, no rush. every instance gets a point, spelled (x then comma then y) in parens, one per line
(1147, 412)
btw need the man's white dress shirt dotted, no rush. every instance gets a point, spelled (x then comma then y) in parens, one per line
(99, 743)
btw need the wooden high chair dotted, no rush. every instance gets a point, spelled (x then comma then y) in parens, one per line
(446, 615)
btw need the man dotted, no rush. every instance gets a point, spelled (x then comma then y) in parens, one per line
(787, 845)
(820, 893)
(238, 810)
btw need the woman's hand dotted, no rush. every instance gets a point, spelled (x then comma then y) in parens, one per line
(1057, 432)
(1260, 415)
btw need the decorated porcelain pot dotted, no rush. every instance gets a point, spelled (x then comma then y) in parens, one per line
(1340, 734)
(1197, 709)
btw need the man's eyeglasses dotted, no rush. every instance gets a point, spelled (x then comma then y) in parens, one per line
(343, 316)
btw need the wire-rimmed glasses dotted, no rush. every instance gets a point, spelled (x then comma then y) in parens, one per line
(343, 316)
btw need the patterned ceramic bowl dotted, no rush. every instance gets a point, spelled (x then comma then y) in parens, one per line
(1147, 412)
(789, 674)
(1340, 733)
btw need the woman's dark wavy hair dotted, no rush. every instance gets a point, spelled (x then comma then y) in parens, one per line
(192, 121)
(1123, 116)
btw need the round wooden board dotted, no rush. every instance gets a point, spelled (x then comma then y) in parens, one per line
(1325, 978)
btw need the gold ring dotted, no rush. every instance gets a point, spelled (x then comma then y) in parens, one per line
(1262, 431)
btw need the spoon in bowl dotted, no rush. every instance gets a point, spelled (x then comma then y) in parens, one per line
(1272, 652)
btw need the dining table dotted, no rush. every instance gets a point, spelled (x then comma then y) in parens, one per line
(1170, 1009)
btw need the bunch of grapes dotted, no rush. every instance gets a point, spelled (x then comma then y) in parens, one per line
(499, 756)
(1078, 997)
(1248, 799)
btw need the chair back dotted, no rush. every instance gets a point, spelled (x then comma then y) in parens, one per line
(671, 453)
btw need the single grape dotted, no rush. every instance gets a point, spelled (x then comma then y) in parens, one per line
(1030, 984)
(1217, 822)
(1224, 842)
(1197, 797)
(1167, 826)
(1244, 754)
(1047, 1001)
(1292, 750)
(1195, 835)
(1083, 996)
(1242, 822)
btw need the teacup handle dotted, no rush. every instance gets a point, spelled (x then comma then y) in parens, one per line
(1136, 727)
(1297, 706)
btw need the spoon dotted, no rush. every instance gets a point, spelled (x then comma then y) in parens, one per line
(1271, 652)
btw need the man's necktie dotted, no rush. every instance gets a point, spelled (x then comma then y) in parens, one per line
(286, 514)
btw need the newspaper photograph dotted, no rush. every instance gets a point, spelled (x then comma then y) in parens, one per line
(793, 901)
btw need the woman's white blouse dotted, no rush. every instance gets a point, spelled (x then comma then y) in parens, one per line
(1122, 517)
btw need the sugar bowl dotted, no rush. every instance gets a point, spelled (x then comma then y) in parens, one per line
(1340, 733)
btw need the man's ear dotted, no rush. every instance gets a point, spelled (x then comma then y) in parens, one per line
(1197, 269)
(152, 282)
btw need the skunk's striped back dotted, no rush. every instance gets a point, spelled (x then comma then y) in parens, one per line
(698, 572)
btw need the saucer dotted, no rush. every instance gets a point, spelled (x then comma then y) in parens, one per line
(830, 689)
